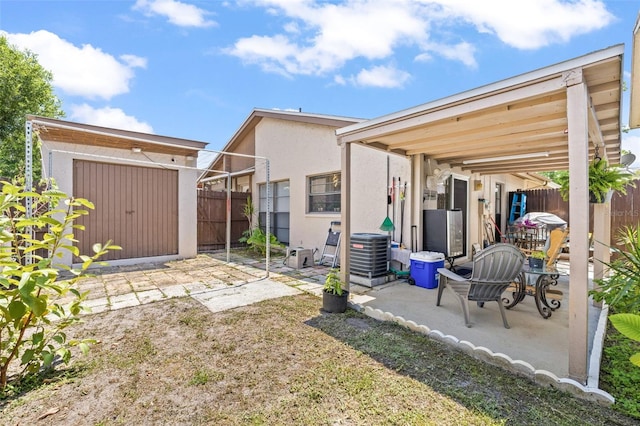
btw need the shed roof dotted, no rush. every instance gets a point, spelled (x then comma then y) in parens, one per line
(55, 130)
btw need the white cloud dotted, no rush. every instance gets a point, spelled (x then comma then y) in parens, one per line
(178, 13)
(463, 52)
(382, 76)
(328, 35)
(531, 24)
(82, 71)
(108, 117)
(339, 80)
(134, 61)
(320, 37)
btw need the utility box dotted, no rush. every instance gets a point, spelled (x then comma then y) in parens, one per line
(298, 257)
(424, 268)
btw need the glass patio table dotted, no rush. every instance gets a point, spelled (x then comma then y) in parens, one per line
(547, 299)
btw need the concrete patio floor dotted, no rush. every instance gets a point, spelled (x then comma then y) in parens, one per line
(533, 346)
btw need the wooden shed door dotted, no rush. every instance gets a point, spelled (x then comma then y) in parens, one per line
(135, 207)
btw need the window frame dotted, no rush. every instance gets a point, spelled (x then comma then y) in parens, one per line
(327, 206)
(279, 220)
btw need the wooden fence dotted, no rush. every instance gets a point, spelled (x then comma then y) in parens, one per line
(212, 219)
(625, 209)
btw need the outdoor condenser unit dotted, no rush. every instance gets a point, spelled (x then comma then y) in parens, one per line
(369, 254)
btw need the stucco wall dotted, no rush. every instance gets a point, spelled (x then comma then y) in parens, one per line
(58, 163)
(483, 210)
(298, 150)
(245, 146)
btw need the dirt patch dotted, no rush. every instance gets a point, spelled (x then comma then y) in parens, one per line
(280, 361)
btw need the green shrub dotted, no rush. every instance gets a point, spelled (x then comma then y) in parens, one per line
(629, 326)
(248, 212)
(257, 241)
(621, 290)
(618, 376)
(255, 237)
(31, 286)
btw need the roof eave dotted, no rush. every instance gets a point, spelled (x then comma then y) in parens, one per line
(499, 86)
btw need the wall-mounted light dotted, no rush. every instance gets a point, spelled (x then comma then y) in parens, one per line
(136, 149)
(190, 157)
(507, 157)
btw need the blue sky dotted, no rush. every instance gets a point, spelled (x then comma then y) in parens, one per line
(196, 69)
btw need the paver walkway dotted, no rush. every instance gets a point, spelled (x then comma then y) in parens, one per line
(207, 277)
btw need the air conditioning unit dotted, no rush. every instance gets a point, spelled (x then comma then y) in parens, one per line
(369, 254)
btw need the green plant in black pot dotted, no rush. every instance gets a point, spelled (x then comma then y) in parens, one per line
(334, 297)
(603, 179)
(536, 259)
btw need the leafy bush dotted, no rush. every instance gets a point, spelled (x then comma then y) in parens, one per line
(618, 376)
(258, 241)
(621, 290)
(247, 212)
(31, 286)
(629, 326)
(255, 238)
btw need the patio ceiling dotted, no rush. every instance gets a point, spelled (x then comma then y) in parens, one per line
(513, 126)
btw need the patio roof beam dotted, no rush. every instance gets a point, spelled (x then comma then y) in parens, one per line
(382, 147)
(508, 129)
(485, 102)
(553, 146)
(509, 141)
(594, 129)
(518, 167)
(498, 120)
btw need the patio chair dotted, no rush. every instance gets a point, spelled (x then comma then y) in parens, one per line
(493, 270)
(557, 241)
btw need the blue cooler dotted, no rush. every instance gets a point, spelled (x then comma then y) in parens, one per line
(424, 268)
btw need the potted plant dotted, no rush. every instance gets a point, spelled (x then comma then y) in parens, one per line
(536, 259)
(334, 297)
(604, 179)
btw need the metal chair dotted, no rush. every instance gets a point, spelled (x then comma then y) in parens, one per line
(493, 270)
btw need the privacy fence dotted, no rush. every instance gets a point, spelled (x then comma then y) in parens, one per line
(212, 219)
(625, 209)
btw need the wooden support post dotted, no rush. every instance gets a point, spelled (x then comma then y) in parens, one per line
(577, 115)
(345, 219)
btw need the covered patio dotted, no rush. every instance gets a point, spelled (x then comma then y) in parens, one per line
(555, 118)
(534, 347)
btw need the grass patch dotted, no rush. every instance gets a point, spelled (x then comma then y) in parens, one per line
(202, 377)
(618, 376)
(283, 361)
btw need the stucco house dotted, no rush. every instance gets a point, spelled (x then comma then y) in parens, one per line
(477, 146)
(143, 187)
(301, 155)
